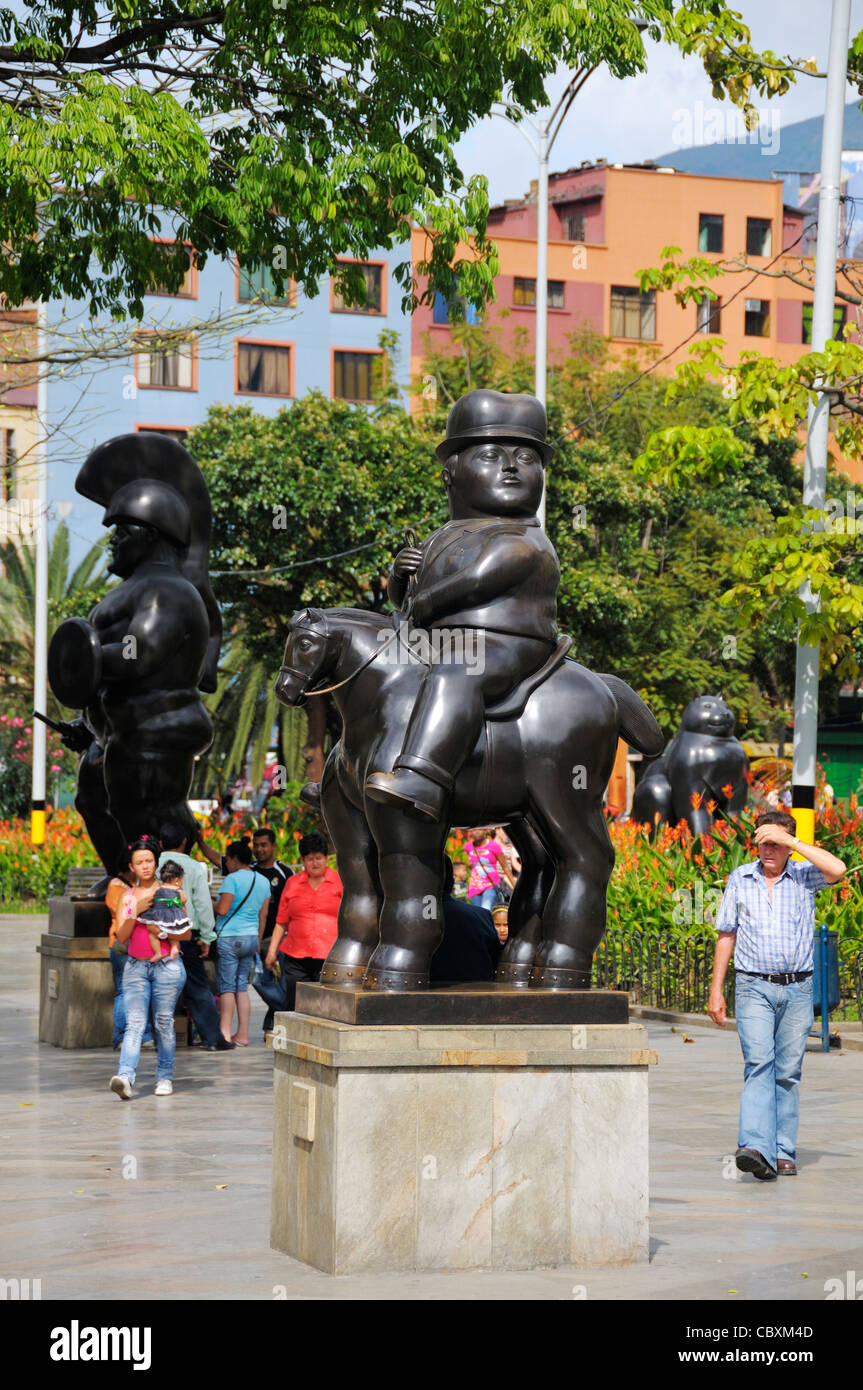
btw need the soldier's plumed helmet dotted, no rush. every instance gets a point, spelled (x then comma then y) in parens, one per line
(496, 415)
(153, 503)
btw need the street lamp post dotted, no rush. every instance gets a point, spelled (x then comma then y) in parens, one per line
(546, 132)
(815, 464)
(40, 602)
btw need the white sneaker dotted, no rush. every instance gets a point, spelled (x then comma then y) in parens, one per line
(121, 1086)
(164, 1088)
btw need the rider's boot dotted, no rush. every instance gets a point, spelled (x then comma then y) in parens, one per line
(418, 786)
(310, 794)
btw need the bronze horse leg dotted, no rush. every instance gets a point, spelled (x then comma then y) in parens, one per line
(358, 868)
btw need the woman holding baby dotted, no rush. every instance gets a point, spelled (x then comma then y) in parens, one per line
(147, 975)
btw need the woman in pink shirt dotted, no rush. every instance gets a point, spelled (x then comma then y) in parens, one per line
(145, 978)
(487, 864)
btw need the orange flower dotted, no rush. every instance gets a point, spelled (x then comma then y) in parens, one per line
(727, 790)
(695, 800)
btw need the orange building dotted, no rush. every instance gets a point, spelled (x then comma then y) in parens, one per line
(607, 222)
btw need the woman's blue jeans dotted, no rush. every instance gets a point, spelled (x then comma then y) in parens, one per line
(488, 899)
(118, 965)
(161, 982)
(773, 1023)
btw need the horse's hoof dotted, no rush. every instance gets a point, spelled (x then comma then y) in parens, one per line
(547, 977)
(343, 975)
(391, 981)
(515, 975)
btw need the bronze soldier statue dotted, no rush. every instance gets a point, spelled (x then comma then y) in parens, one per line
(492, 568)
(137, 666)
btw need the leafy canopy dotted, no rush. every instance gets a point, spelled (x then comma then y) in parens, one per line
(289, 133)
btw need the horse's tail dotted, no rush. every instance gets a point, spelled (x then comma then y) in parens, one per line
(637, 724)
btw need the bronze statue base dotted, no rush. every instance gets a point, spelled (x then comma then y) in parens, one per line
(462, 1004)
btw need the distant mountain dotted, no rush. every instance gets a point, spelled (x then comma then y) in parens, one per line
(785, 149)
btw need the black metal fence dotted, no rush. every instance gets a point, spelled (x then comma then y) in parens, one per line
(674, 972)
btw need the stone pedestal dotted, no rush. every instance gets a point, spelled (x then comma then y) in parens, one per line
(76, 993)
(459, 1147)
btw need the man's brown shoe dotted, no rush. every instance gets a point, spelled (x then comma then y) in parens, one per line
(751, 1161)
(787, 1168)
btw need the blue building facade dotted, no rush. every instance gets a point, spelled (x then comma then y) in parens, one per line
(264, 353)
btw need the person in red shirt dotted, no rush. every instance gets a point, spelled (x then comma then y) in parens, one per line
(307, 920)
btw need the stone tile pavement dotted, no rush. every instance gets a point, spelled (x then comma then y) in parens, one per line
(103, 1199)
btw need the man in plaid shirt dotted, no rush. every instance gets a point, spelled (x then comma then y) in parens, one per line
(767, 922)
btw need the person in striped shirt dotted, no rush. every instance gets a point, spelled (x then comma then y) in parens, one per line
(766, 921)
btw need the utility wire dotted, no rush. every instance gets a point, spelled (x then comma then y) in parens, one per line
(318, 559)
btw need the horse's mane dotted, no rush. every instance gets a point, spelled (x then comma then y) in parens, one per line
(364, 616)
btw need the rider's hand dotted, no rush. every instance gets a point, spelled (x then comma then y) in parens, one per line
(75, 735)
(204, 947)
(407, 561)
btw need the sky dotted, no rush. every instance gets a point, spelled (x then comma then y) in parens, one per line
(640, 117)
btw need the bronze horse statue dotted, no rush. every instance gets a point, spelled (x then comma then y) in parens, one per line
(540, 766)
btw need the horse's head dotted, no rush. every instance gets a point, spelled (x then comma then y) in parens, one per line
(310, 651)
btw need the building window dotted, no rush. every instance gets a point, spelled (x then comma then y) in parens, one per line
(759, 236)
(188, 288)
(8, 465)
(263, 369)
(574, 226)
(710, 231)
(756, 318)
(175, 432)
(169, 368)
(524, 293)
(633, 314)
(256, 284)
(456, 310)
(838, 322)
(353, 375)
(709, 313)
(373, 278)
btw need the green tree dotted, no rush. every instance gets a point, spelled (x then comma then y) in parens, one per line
(769, 399)
(289, 133)
(321, 478)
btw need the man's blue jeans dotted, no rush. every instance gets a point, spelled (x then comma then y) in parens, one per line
(773, 1023)
(160, 981)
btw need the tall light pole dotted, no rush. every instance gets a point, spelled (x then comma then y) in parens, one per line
(815, 467)
(40, 599)
(546, 131)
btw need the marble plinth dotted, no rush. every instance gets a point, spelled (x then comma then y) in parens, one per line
(446, 1148)
(76, 994)
(461, 1004)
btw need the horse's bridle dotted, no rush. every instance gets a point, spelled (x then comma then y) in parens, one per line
(322, 630)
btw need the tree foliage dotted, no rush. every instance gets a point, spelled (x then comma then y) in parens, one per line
(767, 399)
(288, 132)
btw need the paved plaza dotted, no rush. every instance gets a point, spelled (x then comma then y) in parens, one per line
(170, 1198)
